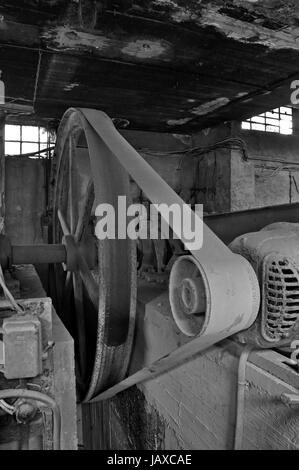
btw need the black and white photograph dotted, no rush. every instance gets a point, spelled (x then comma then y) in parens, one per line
(149, 228)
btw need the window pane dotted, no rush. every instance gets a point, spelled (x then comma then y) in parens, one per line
(286, 131)
(28, 148)
(273, 122)
(258, 127)
(43, 133)
(286, 126)
(12, 148)
(258, 119)
(245, 125)
(286, 117)
(279, 120)
(30, 133)
(271, 114)
(42, 147)
(12, 132)
(284, 110)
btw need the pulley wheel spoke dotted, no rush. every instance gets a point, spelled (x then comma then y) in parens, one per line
(101, 290)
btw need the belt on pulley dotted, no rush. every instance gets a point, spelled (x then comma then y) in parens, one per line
(231, 287)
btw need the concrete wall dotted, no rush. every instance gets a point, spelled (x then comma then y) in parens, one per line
(229, 186)
(194, 405)
(200, 177)
(24, 199)
(269, 177)
(274, 167)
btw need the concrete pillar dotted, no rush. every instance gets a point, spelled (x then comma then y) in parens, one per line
(242, 182)
(226, 180)
(2, 170)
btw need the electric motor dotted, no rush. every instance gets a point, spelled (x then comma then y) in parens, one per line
(274, 255)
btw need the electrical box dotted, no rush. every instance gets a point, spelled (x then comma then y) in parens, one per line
(22, 346)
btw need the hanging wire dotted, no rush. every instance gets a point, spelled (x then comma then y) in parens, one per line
(37, 76)
(9, 409)
(8, 294)
(230, 143)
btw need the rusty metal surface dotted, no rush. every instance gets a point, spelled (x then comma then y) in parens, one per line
(104, 334)
(230, 283)
(228, 226)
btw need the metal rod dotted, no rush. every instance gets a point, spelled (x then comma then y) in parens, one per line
(227, 227)
(64, 226)
(230, 225)
(38, 254)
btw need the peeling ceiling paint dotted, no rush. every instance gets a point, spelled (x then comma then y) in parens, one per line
(261, 11)
(209, 106)
(146, 49)
(248, 32)
(64, 37)
(272, 23)
(200, 110)
(166, 60)
(181, 13)
(71, 86)
(67, 38)
(178, 122)
(277, 11)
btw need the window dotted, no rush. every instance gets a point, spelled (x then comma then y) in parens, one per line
(20, 140)
(280, 120)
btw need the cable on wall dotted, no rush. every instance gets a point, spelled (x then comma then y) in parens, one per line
(241, 388)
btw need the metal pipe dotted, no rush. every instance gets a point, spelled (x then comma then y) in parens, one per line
(36, 254)
(228, 226)
(38, 396)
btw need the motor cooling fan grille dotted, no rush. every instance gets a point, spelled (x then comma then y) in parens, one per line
(281, 298)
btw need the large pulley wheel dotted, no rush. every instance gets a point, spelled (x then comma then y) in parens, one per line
(96, 296)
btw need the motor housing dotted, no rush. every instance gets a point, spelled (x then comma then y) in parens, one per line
(273, 253)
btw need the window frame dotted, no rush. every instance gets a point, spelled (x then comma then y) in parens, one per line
(39, 142)
(264, 122)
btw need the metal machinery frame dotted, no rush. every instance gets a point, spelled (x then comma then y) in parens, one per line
(99, 277)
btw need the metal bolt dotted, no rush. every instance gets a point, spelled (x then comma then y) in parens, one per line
(25, 412)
